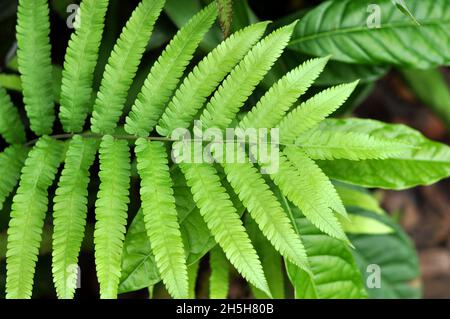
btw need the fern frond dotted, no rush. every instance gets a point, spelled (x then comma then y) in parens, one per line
(313, 111)
(265, 209)
(79, 65)
(111, 213)
(160, 216)
(329, 145)
(27, 216)
(206, 76)
(11, 127)
(305, 185)
(35, 65)
(69, 214)
(224, 222)
(122, 66)
(220, 274)
(166, 72)
(272, 107)
(240, 83)
(11, 162)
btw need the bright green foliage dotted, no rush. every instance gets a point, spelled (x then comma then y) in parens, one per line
(270, 260)
(425, 163)
(335, 272)
(166, 72)
(193, 274)
(313, 111)
(11, 127)
(220, 274)
(27, 216)
(122, 66)
(264, 208)
(272, 107)
(304, 186)
(396, 256)
(111, 213)
(329, 145)
(11, 162)
(237, 87)
(223, 221)
(69, 214)
(206, 76)
(35, 66)
(79, 64)
(160, 216)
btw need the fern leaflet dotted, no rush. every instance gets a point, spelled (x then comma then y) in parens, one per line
(79, 65)
(272, 107)
(11, 127)
(242, 80)
(224, 222)
(304, 185)
(122, 66)
(166, 72)
(35, 66)
(313, 111)
(27, 216)
(160, 216)
(329, 145)
(264, 208)
(219, 279)
(69, 216)
(11, 162)
(111, 213)
(206, 76)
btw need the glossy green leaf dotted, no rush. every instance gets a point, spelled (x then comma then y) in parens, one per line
(365, 32)
(424, 164)
(395, 255)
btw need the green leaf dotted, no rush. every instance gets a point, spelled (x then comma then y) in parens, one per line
(11, 162)
(401, 5)
(353, 196)
(69, 214)
(79, 65)
(265, 209)
(307, 187)
(272, 107)
(138, 263)
(160, 216)
(220, 273)
(270, 260)
(328, 145)
(335, 273)
(27, 216)
(122, 66)
(111, 210)
(206, 76)
(240, 83)
(397, 258)
(225, 15)
(35, 66)
(139, 268)
(425, 164)
(11, 126)
(431, 88)
(313, 111)
(349, 30)
(224, 222)
(360, 224)
(166, 72)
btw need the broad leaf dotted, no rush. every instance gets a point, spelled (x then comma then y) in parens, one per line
(365, 32)
(424, 164)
